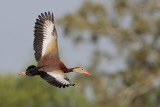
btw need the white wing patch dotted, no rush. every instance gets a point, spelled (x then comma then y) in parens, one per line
(48, 37)
(45, 41)
(59, 78)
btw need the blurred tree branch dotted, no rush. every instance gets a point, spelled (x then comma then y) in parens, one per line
(134, 28)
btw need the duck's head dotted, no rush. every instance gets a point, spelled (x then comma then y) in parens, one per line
(80, 70)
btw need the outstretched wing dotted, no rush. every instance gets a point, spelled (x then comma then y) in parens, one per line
(56, 78)
(45, 41)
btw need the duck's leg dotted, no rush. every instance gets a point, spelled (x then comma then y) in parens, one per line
(22, 73)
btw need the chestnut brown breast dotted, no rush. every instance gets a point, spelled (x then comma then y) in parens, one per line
(52, 63)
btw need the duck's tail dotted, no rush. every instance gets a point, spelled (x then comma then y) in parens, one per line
(32, 70)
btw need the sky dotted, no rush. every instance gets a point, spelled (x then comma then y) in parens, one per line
(17, 20)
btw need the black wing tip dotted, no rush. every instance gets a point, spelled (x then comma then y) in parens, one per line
(65, 85)
(73, 84)
(46, 16)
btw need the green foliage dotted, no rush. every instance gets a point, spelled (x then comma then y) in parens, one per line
(34, 92)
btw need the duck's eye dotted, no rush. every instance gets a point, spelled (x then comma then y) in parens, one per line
(82, 69)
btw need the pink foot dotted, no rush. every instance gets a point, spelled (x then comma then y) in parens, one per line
(22, 73)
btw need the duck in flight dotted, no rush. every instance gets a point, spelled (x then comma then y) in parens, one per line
(49, 66)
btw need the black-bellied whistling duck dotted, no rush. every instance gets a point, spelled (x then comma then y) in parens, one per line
(49, 66)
